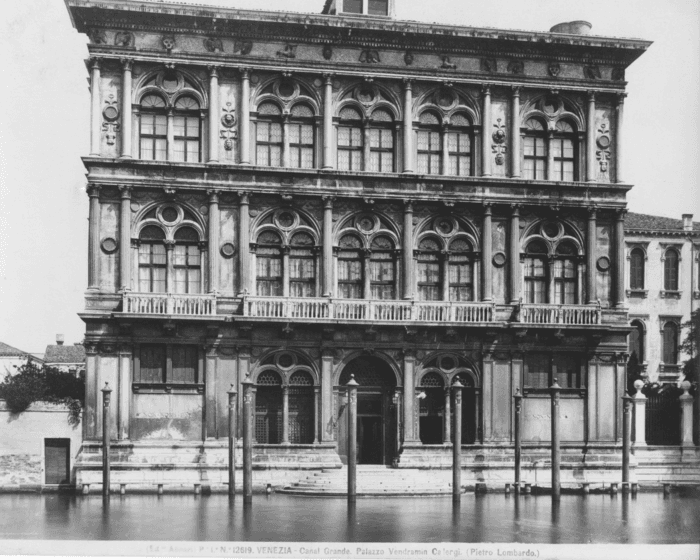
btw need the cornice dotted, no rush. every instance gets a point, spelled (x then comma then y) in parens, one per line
(664, 232)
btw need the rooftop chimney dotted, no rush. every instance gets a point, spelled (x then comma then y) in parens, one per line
(59, 339)
(687, 222)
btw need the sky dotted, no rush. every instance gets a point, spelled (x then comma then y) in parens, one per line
(44, 130)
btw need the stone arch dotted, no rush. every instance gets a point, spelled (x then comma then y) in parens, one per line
(376, 357)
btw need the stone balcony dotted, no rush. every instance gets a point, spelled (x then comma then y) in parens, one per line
(198, 305)
(553, 314)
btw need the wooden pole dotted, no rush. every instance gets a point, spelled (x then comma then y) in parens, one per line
(247, 440)
(626, 442)
(232, 441)
(457, 444)
(106, 398)
(352, 438)
(518, 443)
(556, 451)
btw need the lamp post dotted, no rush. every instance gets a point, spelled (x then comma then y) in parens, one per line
(247, 440)
(556, 451)
(106, 398)
(626, 441)
(518, 444)
(457, 444)
(352, 438)
(232, 441)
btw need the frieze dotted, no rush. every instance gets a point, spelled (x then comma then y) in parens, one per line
(124, 39)
(213, 44)
(97, 36)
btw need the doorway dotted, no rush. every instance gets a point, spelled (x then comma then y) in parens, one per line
(56, 461)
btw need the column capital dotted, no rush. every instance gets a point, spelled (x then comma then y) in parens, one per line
(125, 191)
(95, 62)
(487, 207)
(620, 214)
(244, 197)
(127, 64)
(407, 205)
(407, 83)
(244, 72)
(328, 78)
(590, 95)
(213, 71)
(93, 190)
(515, 90)
(592, 211)
(515, 209)
(213, 195)
(620, 98)
(486, 89)
(328, 201)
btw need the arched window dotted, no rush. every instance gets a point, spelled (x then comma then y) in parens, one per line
(535, 150)
(381, 141)
(636, 341)
(350, 140)
(429, 269)
(269, 264)
(268, 407)
(461, 275)
(187, 130)
(564, 273)
(187, 262)
(459, 145)
(535, 271)
(429, 145)
(350, 273)
(301, 408)
(382, 268)
(302, 266)
(301, 137)
(432, 408)
(269, 135)
(153, 134)
(637, 269)
(670, 343)
(671, 270)
(153, 261)
(563, 145)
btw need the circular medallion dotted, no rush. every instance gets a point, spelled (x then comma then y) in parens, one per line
(135, 206)
(447, 363)
(285, 360)
(366, 223)
(603, 142)
(203, 210)
(499, 259)
(603, 264)
(286, 89)
(169, 214)
(445, 226)
(551, 230)
(109, 245)
(110, 113)
(286, 219)
(228, 250)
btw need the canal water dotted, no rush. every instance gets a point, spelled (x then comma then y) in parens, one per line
(646, 518)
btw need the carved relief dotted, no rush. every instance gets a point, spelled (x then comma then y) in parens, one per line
(499, 138)
(228, 120)
(516, 67)
(554, 69)
(408, 58)
(327, 52)
(592, 72)
(603, 152)
(618, 74)
(213, 44)
(168, 42)
(110, 113)
(124, 39)
(97, 36)
(489, 65)
(289, 51)
(447, 64)
(369, 56)
(242, 47)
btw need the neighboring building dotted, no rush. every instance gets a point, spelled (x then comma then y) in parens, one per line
(299, 198)
(68, 359)
(11, 358)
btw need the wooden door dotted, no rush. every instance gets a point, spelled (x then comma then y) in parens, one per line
(57, 461)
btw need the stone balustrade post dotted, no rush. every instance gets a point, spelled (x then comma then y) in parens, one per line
(686, 402)
(639, 402)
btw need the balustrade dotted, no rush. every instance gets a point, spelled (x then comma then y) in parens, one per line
(553, 314)
(169, 304)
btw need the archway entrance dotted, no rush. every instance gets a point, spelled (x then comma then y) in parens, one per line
(376, 411)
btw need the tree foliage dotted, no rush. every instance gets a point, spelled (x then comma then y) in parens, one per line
(33, 383)
(690, 346)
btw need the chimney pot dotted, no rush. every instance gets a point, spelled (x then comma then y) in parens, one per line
(687, 222)
(59, 339)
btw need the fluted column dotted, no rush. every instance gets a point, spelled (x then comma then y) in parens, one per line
(214, 111)
(93, 192)
(244, 244)
(328, 246)
(125, 238)
(515, 131)
(590, 138)
(328, 160)
(514, 257)
(408, 250)
(213, 238)
(591, 257)
(95, 102)
(245, 116)
(486, 255)
(620, 258)
(619, 109)
(486, 131)
(127, 117)
(409, 396)
(407, 125)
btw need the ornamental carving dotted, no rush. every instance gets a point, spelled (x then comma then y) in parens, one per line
(228, 120)
(499, 139)
(289, 51)
(327, 52)
(489, 65)
(168, 42)
(97, 36)
(110, 127)
(447, 64)
(516, 67)
(408, 58)
(213, 44)
(242, 47)
(124, 39)
(592, 72)
(369, 56)
(554, 69)
(618, 74)
(603, 152)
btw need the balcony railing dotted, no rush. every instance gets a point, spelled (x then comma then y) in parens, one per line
(170, 304)
(552, 314)
(368, 310)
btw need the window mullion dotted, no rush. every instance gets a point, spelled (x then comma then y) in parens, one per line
(170, 136)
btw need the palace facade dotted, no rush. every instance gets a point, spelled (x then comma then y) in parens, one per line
(297, 198)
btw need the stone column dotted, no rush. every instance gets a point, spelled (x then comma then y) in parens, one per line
(515, 131)
(171, 136)
(245, 116)
(125, 238)
(447, 418)
(285, 141)
(486, 250)
(328, 160)
(408, 249)
(328, 246)
(210, 382)
(285, 270)
(486, 131)
(127, 117)
(409, 396)
(170, 271)
(591, 238)
(327, 432)
(214, 111)
(590, 139)
(90, 412)
(243, 244)
(639, 402)
(366, 143)
(686, 402)
(549, 171)
(620, 258)
(94, 237)
(407, 125)
(124, 392)
(317, 409)
(285, 414)
(619, 109)
(95, 105)
(213, 241)
(514, 257)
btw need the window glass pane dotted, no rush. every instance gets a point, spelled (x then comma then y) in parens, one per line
(568, 171)
(343, 136)
(147, 123)
(179, 126)
(556, 147)
(568, 148)
(567, 370)
(343, 160)
(539, 169)
(374, 135)
(179, 150)
(151, 364)
(161, 125)
(536, 370)
(192, 151)
(184, 364)
(352, 6)
(356, 160)
(529, 146)
(423, 140)
(356, 136)
(379, 7)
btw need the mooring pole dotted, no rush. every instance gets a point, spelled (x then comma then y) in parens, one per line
(556, 451)
(247, 440)
(518, 444)
(352, 438)
(457, 444)
(106, 398)
(232, 441)
(626, 442)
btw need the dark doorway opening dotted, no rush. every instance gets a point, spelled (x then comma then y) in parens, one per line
(56, 461)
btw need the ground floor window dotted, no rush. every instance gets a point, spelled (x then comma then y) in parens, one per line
(541, 369)
(167, 363)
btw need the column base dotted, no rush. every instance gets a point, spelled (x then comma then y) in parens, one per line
(126, 156)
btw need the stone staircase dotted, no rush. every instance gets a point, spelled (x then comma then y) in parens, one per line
(374, 480)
